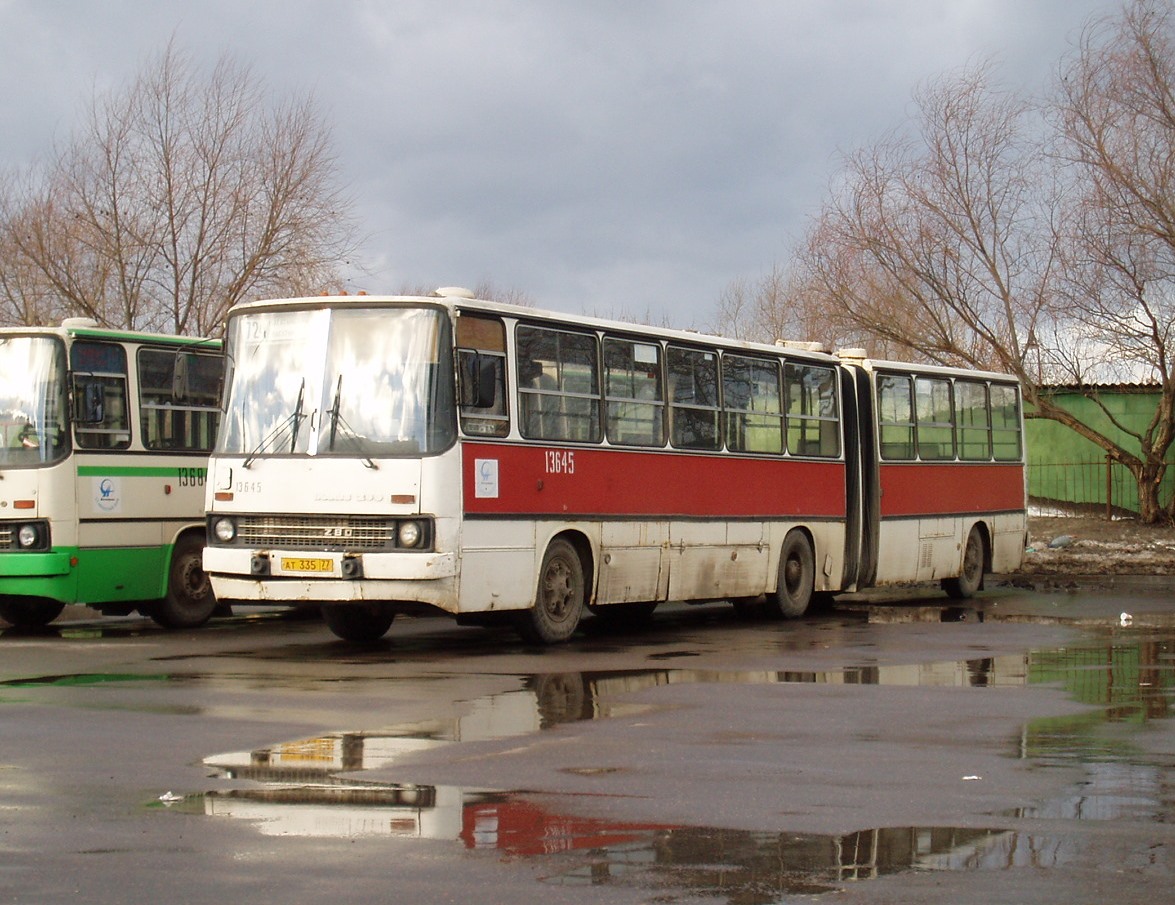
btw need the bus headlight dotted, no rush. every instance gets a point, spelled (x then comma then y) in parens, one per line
(28, 537)
(225, 530)
(408, 534)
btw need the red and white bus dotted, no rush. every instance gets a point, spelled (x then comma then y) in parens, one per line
(378, 454)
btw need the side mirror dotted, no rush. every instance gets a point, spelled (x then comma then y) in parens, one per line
(180, 388)
(478, 379)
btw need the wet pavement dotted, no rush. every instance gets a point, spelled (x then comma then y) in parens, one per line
(893, 748)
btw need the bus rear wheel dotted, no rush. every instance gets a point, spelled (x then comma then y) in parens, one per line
(29, 612)
(560, 598)
(971, 577)
(797, 577)
(359, 622)
(189, 602)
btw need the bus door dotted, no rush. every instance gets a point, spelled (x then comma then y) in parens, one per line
(862, 484)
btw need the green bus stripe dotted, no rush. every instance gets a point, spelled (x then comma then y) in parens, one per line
(130, 471)
(190, 343)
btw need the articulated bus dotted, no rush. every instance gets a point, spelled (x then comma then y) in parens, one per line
(382, 454)
(104, 454)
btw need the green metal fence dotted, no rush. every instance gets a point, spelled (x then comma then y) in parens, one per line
(1095, 486)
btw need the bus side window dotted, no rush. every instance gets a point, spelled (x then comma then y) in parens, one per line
(693, 398)
(813, 420)
(935, 418)
(1005, 423)
(973, 428)
(895, 414)
(100, 396)
(481, 361)
(753, 404)
(558, 385)
(179, 398)
(633, 393)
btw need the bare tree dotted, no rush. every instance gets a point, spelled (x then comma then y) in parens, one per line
(24, 296)
(941, 242)
(1115, 112)
(180, 196)
(737, 307)
(509, 295)
(982, 240)
(775, 307)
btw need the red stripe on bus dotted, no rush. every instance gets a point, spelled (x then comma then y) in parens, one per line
(545, 481)
(925, 489)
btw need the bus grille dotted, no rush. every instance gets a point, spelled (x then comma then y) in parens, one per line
(317, 532)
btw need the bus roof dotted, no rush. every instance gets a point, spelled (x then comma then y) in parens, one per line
(469, 304)
(906, 367)
(461, 300)
(89, 329)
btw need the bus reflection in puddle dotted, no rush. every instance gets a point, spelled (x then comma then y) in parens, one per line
(480, 819)
(309, 787)
(698, 858)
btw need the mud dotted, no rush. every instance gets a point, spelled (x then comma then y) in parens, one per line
(1075, 547)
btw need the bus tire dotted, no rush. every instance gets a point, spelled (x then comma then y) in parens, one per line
(362, 623)
(559, 600)
(797, 577)
(30, 612)
(189, 602)
(971, 578)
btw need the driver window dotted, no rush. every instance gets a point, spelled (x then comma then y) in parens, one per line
(99, 395)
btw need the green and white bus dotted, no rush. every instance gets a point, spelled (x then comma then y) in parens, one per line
(104, 441)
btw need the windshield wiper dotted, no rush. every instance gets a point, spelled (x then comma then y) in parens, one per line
(290, 424)
(334, 413)
(336, 419)
(297, 416)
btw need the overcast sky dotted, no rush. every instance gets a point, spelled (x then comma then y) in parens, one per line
(617, 157)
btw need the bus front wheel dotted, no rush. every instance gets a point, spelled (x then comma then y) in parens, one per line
(189, 602)
(359, 622)
(971, 577)
(560, 598)
(797, 577)
(29, 612)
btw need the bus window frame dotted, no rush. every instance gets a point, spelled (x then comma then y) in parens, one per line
(85, 387)
(824, 423)
(685, 412)
(552, 389)
(930, 434)
(621, 409)
(177, 403)
(769, 422)
(482, 360)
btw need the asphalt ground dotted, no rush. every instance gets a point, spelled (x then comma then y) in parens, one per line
(895, 748)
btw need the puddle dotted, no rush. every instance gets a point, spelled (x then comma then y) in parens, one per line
(132, 626)
(710, 861)
(314, 786)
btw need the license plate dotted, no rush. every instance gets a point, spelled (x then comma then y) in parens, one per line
(307, 564)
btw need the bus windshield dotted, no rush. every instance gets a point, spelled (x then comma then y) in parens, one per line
(359, 382)
(32, 401)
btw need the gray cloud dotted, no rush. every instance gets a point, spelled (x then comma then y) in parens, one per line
(611, 157)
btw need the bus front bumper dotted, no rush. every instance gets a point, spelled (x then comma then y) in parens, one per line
(34, 565)
(294, 576)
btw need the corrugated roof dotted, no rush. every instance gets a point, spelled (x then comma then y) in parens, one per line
(1140, 386)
